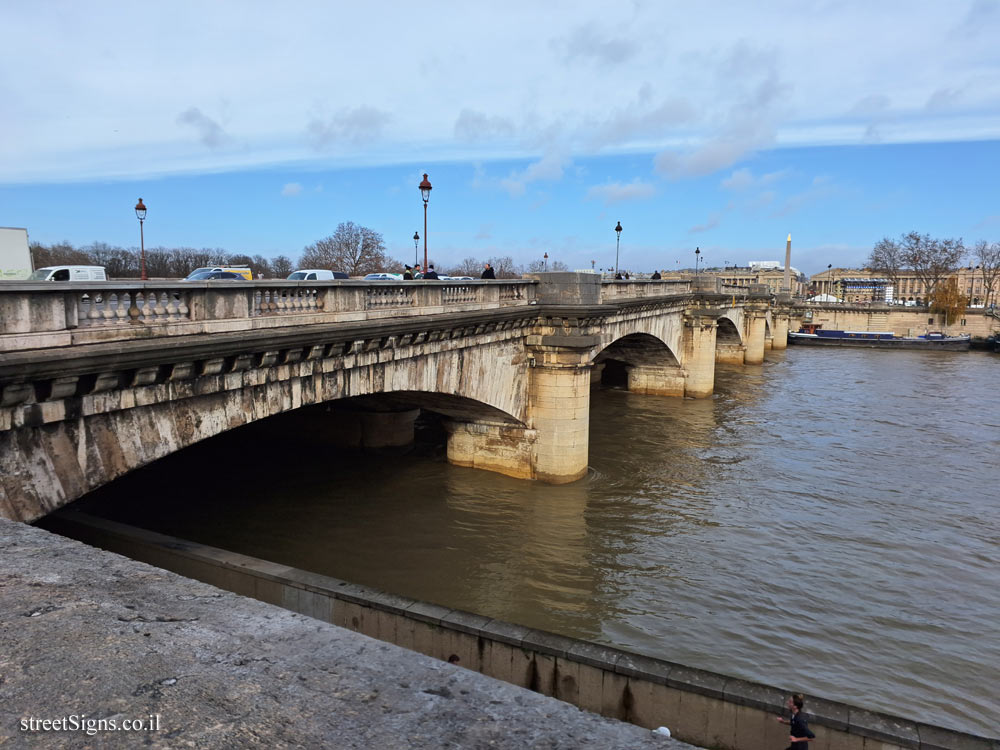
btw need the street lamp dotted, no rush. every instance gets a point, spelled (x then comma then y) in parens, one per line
(545, 260)
(618, 231)
(140, 213)
(829, 279)
(425, 193)
(697, 258)
(416, 243)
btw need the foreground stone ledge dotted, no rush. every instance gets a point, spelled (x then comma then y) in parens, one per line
(83, 631)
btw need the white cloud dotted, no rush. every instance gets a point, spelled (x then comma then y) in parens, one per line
(210, 133)
(352, 127)
(616, 192)
(700, 86)
(475, 126)
(549, 168)
(291, 188)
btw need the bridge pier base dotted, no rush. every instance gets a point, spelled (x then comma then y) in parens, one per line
(503, 448)
(699, 354)
(731, 354)
(656, 380)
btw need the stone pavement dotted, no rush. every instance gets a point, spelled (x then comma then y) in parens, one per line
(95, 636)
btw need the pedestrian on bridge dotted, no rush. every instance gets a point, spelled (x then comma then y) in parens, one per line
(488, 272)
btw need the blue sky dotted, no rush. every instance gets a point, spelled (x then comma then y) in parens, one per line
(723, 127)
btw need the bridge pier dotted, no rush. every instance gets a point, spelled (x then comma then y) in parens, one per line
(756, 329)
(780, 337)
(699, 353)
(559, 410)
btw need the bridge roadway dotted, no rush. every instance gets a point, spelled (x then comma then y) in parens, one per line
(96, 381)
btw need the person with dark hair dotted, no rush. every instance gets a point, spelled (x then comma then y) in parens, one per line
(656, 276)
(488, 272)
(453, 659)
(799, 732)
(431, 273)
(408, 274)
(618, 275)
(416, 272)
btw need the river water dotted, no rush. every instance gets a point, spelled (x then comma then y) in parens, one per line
(828, 522)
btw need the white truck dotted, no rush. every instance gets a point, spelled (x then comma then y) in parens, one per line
(15, 257)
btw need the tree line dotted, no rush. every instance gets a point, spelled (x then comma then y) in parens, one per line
(354, 249)
(934, 262)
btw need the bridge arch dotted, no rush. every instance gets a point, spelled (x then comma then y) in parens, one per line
(641, 362)
(729, 347)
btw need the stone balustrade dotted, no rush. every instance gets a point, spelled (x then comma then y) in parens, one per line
(44, 314)
(612, 291)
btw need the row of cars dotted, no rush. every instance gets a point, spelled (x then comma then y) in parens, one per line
(215, 273)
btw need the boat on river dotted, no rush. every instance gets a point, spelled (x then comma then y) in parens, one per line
(814, 335)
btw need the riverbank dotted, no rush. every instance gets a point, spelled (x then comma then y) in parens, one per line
(89, 637)
(701, 707)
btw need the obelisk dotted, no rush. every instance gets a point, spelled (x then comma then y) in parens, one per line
(786, 286)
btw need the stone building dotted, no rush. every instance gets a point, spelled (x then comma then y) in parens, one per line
(862, 285)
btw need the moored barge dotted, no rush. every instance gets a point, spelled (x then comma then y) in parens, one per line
(813, 335)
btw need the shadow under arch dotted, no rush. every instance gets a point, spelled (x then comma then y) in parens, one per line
(729, 348)
(640, 362)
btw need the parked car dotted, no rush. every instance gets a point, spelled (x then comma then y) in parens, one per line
(243, 271)
(69, 273)
(384, 277)
(316, 274)
(216, 276)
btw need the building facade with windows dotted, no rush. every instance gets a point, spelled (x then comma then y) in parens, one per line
(861, 285)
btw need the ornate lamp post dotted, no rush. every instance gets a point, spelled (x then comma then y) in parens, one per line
(140, 213)
(545, 262)
(416, 244)
(618, 242)
(425, 193)
(697, 258)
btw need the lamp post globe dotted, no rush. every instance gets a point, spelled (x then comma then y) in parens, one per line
(618, 242)
(697, 258)
(425, 193)
(140, 214)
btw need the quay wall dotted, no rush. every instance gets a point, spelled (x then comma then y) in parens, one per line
(702, 708)
(902, 321)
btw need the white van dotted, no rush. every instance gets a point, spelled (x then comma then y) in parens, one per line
(69, 273)
(316, 274)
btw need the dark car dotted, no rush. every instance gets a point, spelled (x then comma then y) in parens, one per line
(215, 276)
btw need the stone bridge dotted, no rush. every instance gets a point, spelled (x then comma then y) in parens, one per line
(97, 381)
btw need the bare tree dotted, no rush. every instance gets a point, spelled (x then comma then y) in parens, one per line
(932, 260)
(351, 248)
(503, 266)
(281, 266)
(886, 259)
(468, 267)
(987, 257)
